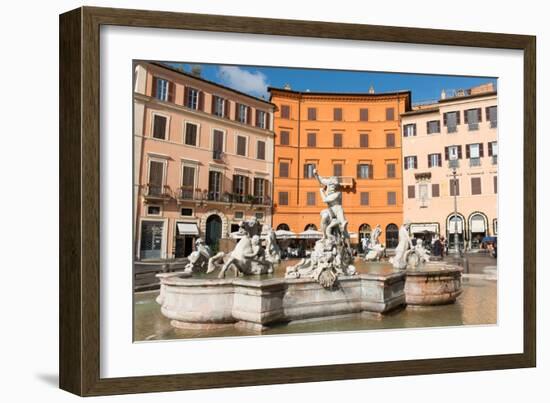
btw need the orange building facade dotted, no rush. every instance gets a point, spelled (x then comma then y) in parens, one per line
(355, 137)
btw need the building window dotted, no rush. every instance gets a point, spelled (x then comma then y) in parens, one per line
(392, 236)
(311, 198)
(283, 169)
(186, 212)
(409, 130)
(435, 189)
(472, 117)
(159, 127)
(454, 187)
(392, 198)
(243, 113)
(493, 151)
(491, 115)
(214, 185)
(337, 169)
(239, 215)
(474, 152)
(153, 210)
(433, 126)
(260, 150)
(453, 153)
(312, 139)
(451, 120)
(260, 185)
(191, 98)
(476, 186)
(364, 140)
(156, 178)
(218, 106)
(308, 170)
(261, 119)
(364, 115)
(364, 171)
(337, 139)
(283, 198)
(364, 198)
(311, 113)
(285, 111)
(191, 134)
(495, 184)
(411, 191)
(217, 144)
(285, 138)
(337, 114)
(241, 145)
(390, 170)
(390, 139)
(259, 216)
(240, 188)
(188, 183)
(434, 160)
(390, 113)
(411, 162)
(161, 90)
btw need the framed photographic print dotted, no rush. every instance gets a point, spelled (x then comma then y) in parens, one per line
(237, 208)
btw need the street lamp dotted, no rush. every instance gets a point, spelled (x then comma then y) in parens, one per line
(455, 217)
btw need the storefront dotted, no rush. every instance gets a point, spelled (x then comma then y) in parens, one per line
(425, 231)
(186, 233)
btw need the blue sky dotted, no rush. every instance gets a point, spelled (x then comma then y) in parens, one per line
(255, 80)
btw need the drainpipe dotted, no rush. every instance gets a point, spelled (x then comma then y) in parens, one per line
(298, 162)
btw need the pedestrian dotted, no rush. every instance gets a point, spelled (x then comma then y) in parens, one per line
(443, 246)
(437, 248)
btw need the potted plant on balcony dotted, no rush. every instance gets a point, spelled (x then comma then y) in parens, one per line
(228, 198)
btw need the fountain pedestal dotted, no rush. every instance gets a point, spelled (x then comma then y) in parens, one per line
(433, 283)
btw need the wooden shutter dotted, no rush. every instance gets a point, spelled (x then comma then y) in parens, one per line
(267, 189)
(429, 161)
(480, 149)
(439, 162)
(248, 115)
(212, 104)
(201, 101)
(414, 129)
(415, 162)
(467, 150)
(236, 112)
(171, 91)
(459, 152)
(490, 149)
(479, 115)
(466, 117)
(371, 171)
(156, 173)
(445, 119)
(226, 108)
(154, 87)
(446, 153)
(186, 96)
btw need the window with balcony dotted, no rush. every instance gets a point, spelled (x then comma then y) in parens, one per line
(191, 134)
(260, 186)
(472, 117)
(434, 160)
(159, 126)
(240, 188)
(214, 185)
(491, 116)
(308, 170)
(493, 152)
(188, 182)
(337, 140)
(451, 120)
(411, 162)
(312, 139)
(364, 115)
(156, 178)
(284, 138)
(365, 171)
(260, 150)
(453, 154)
(392, 198)
(474, 152)
(409, 130)
(433, 126)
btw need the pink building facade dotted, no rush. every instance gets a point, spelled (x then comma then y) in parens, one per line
(460, 133)
(203, 156)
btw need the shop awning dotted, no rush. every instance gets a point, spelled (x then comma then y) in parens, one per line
(430, 227)
(187, 228)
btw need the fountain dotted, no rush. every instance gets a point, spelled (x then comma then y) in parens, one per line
(326, 284)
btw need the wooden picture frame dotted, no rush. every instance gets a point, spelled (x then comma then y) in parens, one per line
(80, 197)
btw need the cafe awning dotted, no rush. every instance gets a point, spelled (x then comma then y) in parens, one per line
(187, 228)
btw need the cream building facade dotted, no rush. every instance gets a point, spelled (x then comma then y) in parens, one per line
(459, 133)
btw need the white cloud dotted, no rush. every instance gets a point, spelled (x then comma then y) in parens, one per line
(254, 83)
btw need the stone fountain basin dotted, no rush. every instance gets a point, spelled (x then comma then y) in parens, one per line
(433, 283)
(260, 303)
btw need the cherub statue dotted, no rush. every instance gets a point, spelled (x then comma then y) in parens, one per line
(198, 259)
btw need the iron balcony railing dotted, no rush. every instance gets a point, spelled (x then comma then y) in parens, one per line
(157, 191)
(217, 155)
(475, 162)
(453, 163)
(451, 129)
(494, 159)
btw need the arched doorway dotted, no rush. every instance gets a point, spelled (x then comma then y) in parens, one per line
(213, 230)
(392, 236)
(478, 229)
(283, 227)
(312, 227)
(455, 225)
(363, 233)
